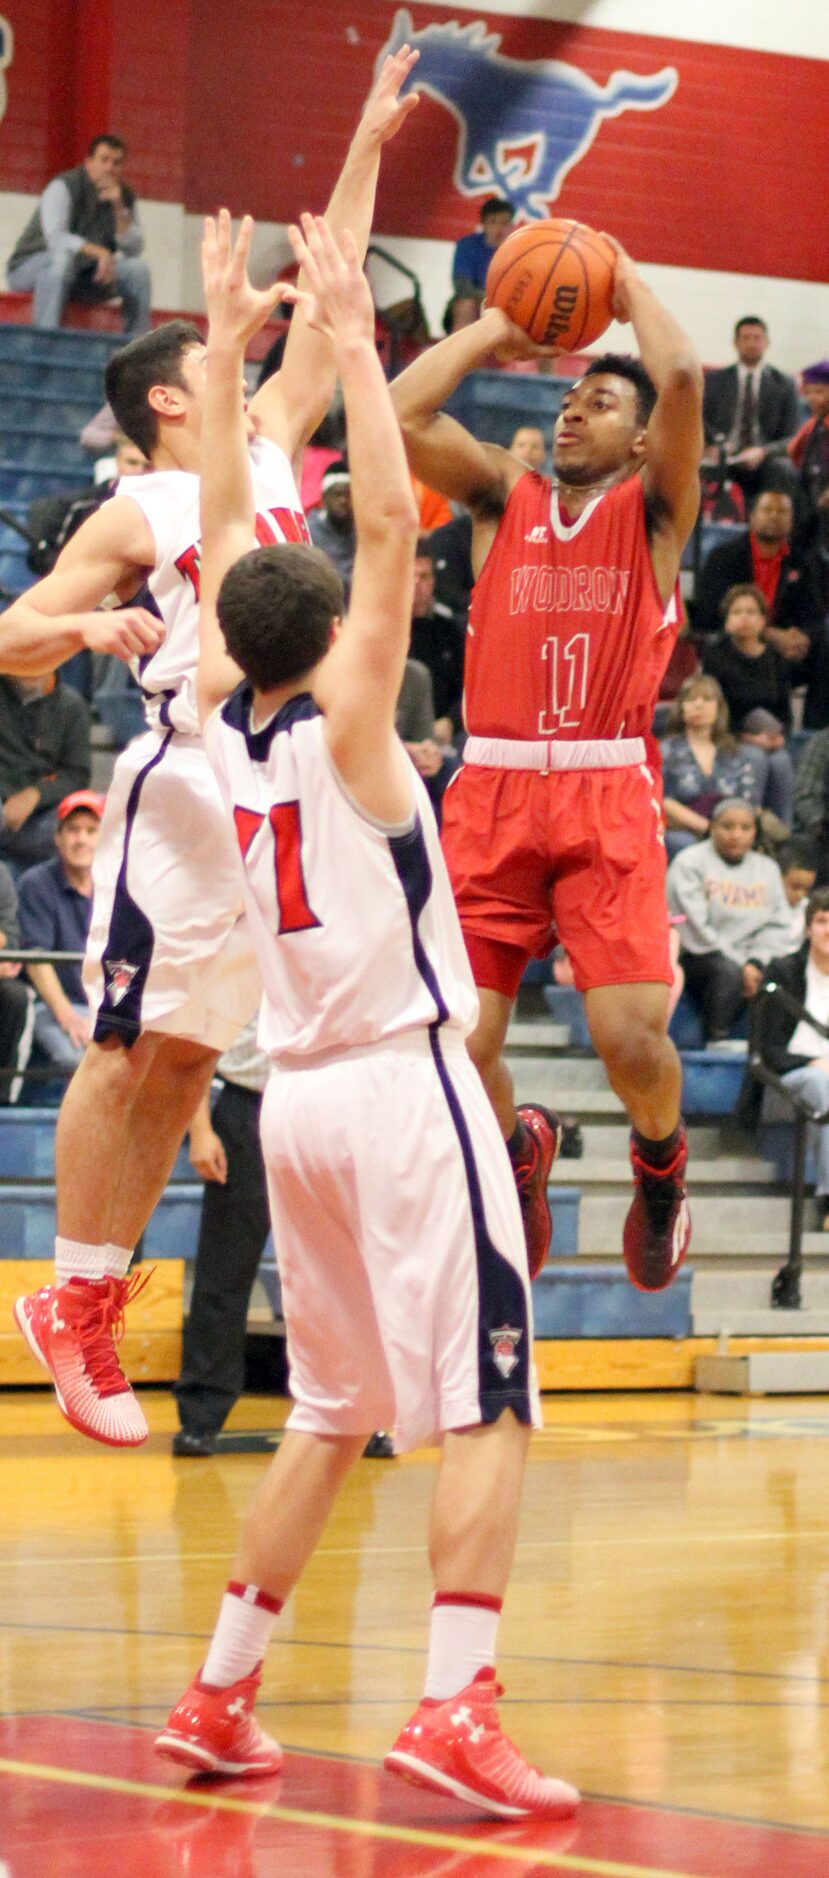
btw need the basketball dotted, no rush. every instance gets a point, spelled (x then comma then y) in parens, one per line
(555, 280)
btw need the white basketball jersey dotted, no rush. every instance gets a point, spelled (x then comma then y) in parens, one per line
(170, 501)
(354, 924)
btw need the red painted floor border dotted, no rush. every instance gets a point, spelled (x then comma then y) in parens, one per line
(66, 1821)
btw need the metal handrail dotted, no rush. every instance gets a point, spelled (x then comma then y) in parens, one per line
(785, 1288)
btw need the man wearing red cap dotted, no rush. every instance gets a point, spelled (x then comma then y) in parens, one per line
(55, 903)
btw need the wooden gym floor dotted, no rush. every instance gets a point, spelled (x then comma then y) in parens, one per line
(665, 1645)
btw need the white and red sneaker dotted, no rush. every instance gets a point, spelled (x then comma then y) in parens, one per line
(457, 1748)
(215, 1731)
(73, 1330)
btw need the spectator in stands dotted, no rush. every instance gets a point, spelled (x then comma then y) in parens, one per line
(331, 527)
(765, 555)
(55, 912)
(809, 452)
(528, 445)
(702, 764)
(736, 916)
(811, 801)
(792, 1047)
(16, 1006)
(84, 242)
(437, 641)
(53, 519)
(473, 253)
(754, 676)
(44, 755)
(462, 309)
(752, 409)
(434, 760)
(234, 1226)
(797, 870)
(450, 551)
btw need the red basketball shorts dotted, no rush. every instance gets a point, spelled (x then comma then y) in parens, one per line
(575, 857)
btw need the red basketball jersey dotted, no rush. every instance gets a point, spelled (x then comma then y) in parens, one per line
(568, 635)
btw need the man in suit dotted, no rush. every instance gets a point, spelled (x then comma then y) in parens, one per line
(751, 410)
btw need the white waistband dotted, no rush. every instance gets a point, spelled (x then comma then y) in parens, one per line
(403, 1042)
(518, 753)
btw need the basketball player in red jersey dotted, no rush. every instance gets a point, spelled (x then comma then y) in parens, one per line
(553, 827)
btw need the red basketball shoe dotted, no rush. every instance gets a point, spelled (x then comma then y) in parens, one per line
(215, 1731)
(73, 1330)
(457, 1748)
(658, 1226)
(542, 1140)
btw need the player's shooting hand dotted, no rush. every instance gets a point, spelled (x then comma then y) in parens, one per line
(236, 309)
(335, 297)
(128, 632)
(509, 341)
(384, 110)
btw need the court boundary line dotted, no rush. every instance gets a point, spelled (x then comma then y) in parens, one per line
(45, 1773)
(413, 1649)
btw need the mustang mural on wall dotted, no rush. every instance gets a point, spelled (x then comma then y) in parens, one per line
(524, 123)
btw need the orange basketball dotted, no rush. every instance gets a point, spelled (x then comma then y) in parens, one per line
(555, 280)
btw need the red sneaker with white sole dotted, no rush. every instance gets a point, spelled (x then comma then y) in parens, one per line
(657, 1230)
(73, 1330)
(457, 1748)
(215, 1731)
(542, 1140)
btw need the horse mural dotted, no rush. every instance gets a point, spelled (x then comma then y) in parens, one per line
(524, 123)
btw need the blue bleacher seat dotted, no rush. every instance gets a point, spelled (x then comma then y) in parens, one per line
(711, 1083)
(600, 1301)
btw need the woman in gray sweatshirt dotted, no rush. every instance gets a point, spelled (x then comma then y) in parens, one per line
(736, 916)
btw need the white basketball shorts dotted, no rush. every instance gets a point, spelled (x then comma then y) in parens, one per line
(168, 947)
(399, 1241)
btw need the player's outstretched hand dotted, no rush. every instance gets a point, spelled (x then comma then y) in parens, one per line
(128, 632)
(384, 110)
(235, 309)
(338, 299)
(625, 276)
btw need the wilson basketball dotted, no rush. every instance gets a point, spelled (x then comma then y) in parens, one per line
(555, 280)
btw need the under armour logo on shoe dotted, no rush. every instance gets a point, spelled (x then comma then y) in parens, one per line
(237, 1707)
(461, 1715)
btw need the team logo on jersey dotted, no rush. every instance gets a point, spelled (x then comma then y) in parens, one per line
(504, 1342)
(119, 976)
(524, 123)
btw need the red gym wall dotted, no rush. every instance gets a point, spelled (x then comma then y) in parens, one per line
(251, 102)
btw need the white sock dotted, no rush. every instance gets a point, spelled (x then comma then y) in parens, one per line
(241, 1636)
(73, 1259)
(462, 1638)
